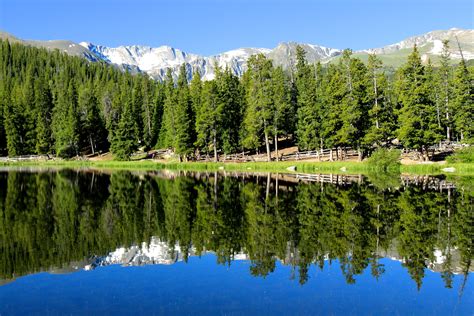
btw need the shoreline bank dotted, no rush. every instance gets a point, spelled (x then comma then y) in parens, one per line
(340, 167)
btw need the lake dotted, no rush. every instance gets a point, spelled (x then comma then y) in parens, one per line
(167, 242)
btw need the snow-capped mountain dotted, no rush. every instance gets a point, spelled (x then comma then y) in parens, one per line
(156, 61)
(431, 44)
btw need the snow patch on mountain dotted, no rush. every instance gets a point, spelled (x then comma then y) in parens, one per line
(437, 47)
(156, 61)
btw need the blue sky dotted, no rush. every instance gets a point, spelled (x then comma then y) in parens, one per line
(213, 26)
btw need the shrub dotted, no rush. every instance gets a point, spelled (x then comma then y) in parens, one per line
(385, 159)
(465, 155)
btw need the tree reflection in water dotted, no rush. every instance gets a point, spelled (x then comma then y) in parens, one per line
(50, 219)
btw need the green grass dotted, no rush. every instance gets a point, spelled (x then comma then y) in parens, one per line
(460, 168)
(465, 155)
(340, 167)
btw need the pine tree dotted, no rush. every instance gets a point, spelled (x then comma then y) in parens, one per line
(258, 115)
(418, 127)
(66, 120)
(125, 141)
(463, 103)
(208, 117)
(158, 104)
(3, 139)
(381, 116)
(184, 130)
(167, 135)
(29, 111)
(92, 128)
(138, 107)
(433, 82)
(14, 122)
(44, 105)
(230, 107)
(195, 91)
(147, 112)
(283, 111)
(446, 89)
(308, 104)
(333, 94)
(353, 109)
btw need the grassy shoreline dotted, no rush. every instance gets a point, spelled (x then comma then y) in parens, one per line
(341, 167)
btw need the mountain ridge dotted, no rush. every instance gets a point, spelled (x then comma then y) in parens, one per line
(155, 61)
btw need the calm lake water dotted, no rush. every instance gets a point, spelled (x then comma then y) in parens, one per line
(95, 242)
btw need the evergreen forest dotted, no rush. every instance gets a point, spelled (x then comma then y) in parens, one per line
(55, 104)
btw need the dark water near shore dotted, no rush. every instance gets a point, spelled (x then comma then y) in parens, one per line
(89, 242)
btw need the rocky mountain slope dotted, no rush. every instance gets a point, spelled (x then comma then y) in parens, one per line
(156, 61)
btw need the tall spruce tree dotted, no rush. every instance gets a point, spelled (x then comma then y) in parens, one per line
(418, 127)
(283, 111)
(168, 123)
(125, 140)
(445, 73)
(65, 117)
(14, 122)
(138, 107)
(381, 113)
(29, 111)
(147, 112)
(183, 144)
(208, 118)
(159, 100)
(354, 110)
(333, 92)
(3, 139)
(195, 91)
(463, 103)
(258, 116)
(44, 105)
(308, 103)
(230, 106)
(433, 81)
(92, 128)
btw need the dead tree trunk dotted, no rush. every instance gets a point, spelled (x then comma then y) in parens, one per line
(276, 146)
(267, 145)
(92, 145)
(214, 144)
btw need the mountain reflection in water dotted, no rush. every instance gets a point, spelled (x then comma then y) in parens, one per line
(57, 220)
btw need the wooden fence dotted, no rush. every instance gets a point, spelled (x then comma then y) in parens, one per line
(25, 158)
(337, 154)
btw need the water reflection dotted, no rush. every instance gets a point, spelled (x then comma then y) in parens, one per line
(83, 219)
